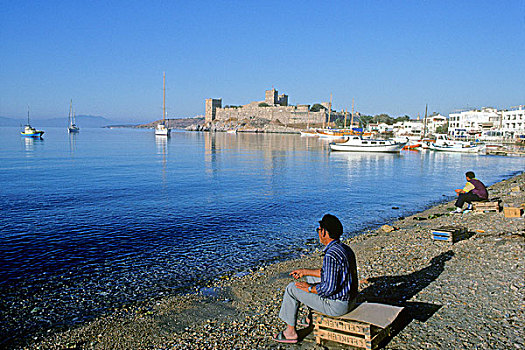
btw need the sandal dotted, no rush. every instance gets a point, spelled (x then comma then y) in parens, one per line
(280, 338)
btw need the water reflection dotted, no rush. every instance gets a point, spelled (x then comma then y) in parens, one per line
(162, 150)
(72, 143)
(30, 145)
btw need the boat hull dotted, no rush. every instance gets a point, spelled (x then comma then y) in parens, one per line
(37, 134)
(457, 148)
(392, 148)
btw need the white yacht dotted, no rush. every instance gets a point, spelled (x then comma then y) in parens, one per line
(359, 144)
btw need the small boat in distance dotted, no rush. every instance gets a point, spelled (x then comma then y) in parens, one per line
(29, 131)
(458, 148)
(161, 129)
(231, 131)
(359, 144)
(309, 133)
(72, 127)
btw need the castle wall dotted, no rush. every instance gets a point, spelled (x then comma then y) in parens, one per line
(284, 114)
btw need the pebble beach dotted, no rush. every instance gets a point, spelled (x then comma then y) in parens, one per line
(466, 295)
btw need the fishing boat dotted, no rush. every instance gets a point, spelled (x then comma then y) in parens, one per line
(29, 131)
(458, 148)
(161, 129)
(72, 128)
(359, 144)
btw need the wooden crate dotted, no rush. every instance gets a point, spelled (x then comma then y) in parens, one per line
(364, 327)
(451, 234)
(512, 212)
(485, 206)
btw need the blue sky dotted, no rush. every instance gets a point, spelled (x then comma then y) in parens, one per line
(390, 56)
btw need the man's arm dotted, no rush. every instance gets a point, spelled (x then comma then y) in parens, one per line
(305, 272)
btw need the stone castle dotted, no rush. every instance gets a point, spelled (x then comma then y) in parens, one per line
(274, 108)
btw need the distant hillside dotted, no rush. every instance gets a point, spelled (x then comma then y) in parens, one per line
(4, 121)
(88, 121)
(181, 123)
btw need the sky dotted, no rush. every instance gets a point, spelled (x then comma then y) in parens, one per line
(390, 57)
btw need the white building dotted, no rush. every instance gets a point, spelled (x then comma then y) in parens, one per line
(473, 122)
(434, 122)
(408, 128)
(381, 128)
(513, 122)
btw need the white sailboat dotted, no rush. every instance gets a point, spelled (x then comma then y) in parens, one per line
(161, 129)
(72, 127)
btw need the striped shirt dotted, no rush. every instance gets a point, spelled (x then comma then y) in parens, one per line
(339, 273)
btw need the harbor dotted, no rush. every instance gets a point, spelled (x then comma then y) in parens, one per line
(462, 295)
(147, 222)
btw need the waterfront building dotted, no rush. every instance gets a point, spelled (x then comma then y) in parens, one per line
(473, 122)
(408, 128)
(513, 122)
(436, 124)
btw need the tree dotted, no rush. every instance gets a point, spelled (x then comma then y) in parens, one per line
(405, 118)
(264, 104)
(383, 118)
(317, 107)
(442, 129)
(364, 120)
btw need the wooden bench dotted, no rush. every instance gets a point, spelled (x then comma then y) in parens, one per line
(486, 206)
(364, 327)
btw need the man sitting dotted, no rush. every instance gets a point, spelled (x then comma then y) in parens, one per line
(331, 290)
(473, 191)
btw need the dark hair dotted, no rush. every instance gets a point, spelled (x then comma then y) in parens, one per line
(470, 174)
(332, 224)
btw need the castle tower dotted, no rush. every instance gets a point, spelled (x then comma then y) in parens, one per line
(271, 98)
(211, 106)
(283, 100)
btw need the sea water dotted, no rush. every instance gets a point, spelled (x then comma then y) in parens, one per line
(108, 217)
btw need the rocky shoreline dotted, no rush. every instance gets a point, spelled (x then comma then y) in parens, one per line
(467, 295)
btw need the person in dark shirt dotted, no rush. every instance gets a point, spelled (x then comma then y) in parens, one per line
(473, 191)
(331, 290)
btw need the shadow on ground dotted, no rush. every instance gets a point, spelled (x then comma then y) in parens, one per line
(396, 290)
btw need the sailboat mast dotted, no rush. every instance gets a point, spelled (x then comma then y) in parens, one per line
(70, 111)
(164, 97)
(330, 110)
(425, 121)
(352, 121)
(308, 119)
(27, 115)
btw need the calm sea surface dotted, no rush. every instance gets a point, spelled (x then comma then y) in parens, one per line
(107, 217)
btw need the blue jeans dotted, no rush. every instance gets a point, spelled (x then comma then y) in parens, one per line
(293, 297)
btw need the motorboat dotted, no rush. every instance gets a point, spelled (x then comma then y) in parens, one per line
(360, 144)
(29, 131)
(458, 148)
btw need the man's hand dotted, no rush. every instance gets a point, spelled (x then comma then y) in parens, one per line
(297, 273)
(302, 285)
